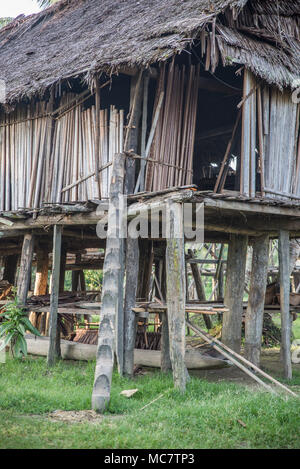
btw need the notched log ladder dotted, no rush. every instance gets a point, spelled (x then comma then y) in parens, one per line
(112, 302)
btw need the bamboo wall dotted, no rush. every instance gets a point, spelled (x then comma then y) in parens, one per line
(42, 153)
(270, 141)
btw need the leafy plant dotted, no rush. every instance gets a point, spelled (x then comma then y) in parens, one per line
(14, 327)
(46, 3)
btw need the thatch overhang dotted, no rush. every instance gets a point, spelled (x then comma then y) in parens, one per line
(83, 37)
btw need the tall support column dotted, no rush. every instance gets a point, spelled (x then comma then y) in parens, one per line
(25, 268)
(256, 302)
(235, 283)
(109, 338)
(54, 342)
(284, 269)
(176, 295)
(130, 322)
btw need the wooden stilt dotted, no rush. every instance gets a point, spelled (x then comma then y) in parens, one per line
(54, 342)
(130, 323)
(25, 268)
(166, 364)
(256, 302)
(40, 287)
(111, 325)
(284, 269)
(145, 269)
(63, 260)
(235, 282)
(175, 265)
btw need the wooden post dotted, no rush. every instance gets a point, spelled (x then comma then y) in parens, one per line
(10, 268)
(63, 260)
(166, 364)
(256, 301)
(145, 268)
(284, 269)
(25, 268)
(54, 342)
(112, 319)
(130, 323)
(40, 287)
(175, 265)
(235, 282)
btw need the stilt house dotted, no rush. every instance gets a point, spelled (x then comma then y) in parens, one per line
(167, 102)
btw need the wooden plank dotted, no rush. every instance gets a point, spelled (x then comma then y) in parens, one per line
(256, 302)
(235, 281)
(284, 264)
(176, 295)
(54, 342)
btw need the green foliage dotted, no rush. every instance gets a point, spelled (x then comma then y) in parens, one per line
(46, 3)
(14, 327)
(93, 279)
(4, 21)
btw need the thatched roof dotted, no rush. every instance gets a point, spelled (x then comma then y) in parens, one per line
(81, 37)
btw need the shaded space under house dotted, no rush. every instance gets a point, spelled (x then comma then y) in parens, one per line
(167, 103)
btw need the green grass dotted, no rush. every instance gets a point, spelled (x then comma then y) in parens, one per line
(295, 325)
(205, 417)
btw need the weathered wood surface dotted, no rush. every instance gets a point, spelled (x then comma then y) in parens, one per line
(235, 282)
(150, 358)
(54, 342)
(176, 294)
(40, 287)
(130, 319)
(256, 302)
(284, 269)
(24, 276)
(112, 299)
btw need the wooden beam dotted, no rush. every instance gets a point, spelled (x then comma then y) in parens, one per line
(54, 342)
(24, 277)
(256, 301)
(235, 280)
(176, 295)
(284, 268)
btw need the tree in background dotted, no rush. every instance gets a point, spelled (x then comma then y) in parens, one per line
(46, 3)
(5, 21)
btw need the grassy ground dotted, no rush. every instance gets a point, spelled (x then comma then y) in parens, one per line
(207, 416)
